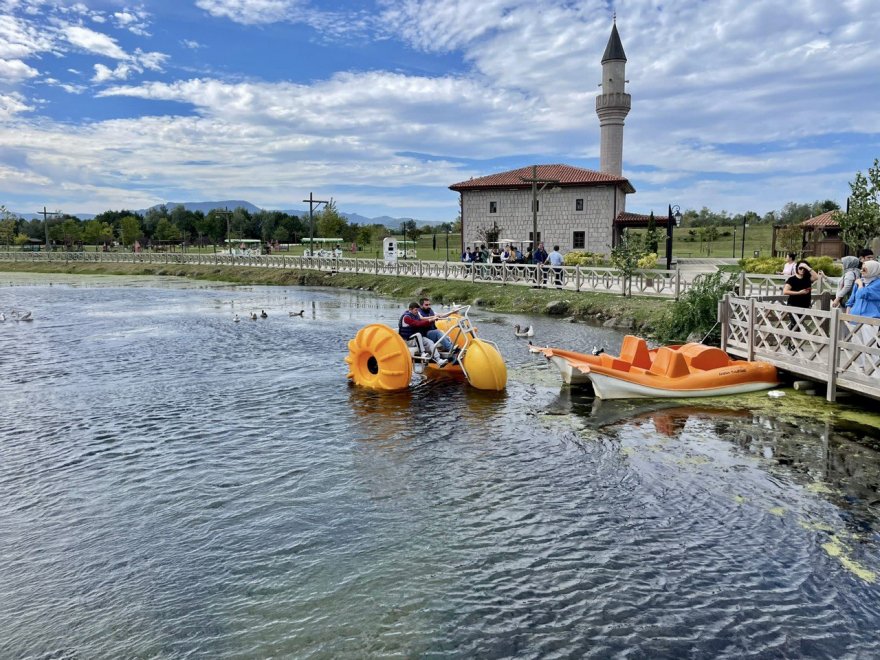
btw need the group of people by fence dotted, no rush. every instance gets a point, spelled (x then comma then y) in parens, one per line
(511, 254)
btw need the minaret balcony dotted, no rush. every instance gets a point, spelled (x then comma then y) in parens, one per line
(613, 101)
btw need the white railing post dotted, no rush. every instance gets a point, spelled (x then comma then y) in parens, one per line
(750, 349)
(833, 334)
(724, 317)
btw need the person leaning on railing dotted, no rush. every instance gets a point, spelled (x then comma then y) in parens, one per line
(865, 301)
(851, 273)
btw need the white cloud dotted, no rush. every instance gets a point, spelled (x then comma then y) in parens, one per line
(251, 12)
(94, 42)
(15, 71)
(191, 44)
(104, 73)
(11, 105)
(135, 20)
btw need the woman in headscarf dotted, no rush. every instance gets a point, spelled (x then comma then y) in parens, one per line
(865, 301)
(851, 273)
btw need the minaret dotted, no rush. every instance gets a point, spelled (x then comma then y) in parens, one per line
(612, 105)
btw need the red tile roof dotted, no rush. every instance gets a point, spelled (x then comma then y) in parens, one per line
(638, 220)
(566, 175)
(824, 220)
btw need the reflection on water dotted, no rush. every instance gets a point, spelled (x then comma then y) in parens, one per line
(174, 484)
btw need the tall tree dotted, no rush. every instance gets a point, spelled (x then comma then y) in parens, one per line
(330, 223)
(129, 229)
(861, 223)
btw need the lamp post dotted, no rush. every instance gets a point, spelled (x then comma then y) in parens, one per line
(745, 224)
(672, 220)
(313, 204)
(734, 242)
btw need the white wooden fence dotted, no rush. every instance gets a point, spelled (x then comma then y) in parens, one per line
(657, 282)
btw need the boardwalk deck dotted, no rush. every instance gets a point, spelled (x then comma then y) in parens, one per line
(829, 346)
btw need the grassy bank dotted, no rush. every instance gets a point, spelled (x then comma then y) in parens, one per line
(635, 313)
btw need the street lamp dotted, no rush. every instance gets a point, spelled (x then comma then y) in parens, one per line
(672, 220)
(745, 224)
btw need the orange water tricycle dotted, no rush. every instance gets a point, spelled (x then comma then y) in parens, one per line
(380, 359)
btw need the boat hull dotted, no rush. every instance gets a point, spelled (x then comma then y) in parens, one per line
(610, 387)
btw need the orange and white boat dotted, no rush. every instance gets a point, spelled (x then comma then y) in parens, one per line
(691, 370)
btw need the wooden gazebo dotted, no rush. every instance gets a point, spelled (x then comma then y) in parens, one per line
(821, 237)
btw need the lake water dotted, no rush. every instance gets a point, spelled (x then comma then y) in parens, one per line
(173, 484)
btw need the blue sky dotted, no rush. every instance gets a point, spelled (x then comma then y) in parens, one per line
(381, 105)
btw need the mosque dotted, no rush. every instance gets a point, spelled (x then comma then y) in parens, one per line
(572, 207)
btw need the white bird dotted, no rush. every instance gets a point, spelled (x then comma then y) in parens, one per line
(253, 316)
(26, 316)
(299, 313)
(523, 332)
(2, 317)
(235, 318)
(597, 351)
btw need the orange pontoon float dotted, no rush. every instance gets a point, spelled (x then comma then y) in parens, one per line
(691, 370)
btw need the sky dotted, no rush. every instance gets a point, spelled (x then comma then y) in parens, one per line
(381, 105)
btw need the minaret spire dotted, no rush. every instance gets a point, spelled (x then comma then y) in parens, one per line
(613, 104)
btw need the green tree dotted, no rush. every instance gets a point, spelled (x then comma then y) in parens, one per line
(652, 236)
(790, 239)
(330, 224)
(167, 231)
(129, 230)
(7, 226)
(625, 257)
(68, 232)
(861, 223)
(95, 232)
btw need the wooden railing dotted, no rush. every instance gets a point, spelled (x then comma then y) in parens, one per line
(828, 346)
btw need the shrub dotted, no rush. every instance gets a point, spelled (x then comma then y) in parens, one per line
(577, 258)
(648, 262)
(773, 265)
(697, 309)
(826, 265)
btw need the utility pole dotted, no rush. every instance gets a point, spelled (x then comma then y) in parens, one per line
(46, 215)
(313, 204)
(535, 190)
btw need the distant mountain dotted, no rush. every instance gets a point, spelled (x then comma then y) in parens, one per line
(231, 204)
(205, 207)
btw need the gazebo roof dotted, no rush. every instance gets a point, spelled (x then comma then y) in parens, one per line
(823, 221)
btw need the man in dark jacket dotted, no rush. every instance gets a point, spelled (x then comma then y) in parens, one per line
(539, 256)
(414, 329)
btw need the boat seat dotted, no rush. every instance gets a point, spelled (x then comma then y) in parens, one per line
(635, 351)
(704, 358)
(669, 363)
(612, 362)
